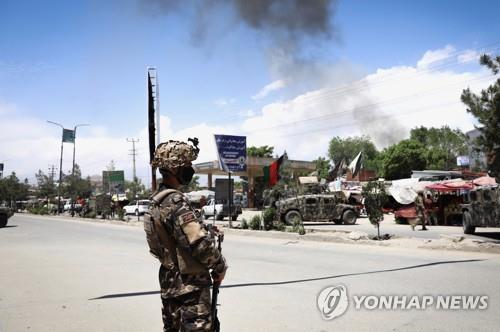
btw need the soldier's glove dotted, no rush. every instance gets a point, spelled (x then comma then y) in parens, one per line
(219, 272)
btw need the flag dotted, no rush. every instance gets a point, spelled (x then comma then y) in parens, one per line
(355, 165)
(271, 172)
(337, 170)
(68, 136)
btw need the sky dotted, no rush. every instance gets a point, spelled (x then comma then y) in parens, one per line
(284, 75)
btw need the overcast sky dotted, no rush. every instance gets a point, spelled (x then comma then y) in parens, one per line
(284, 77)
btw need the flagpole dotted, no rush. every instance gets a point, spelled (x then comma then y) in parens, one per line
(230, 201)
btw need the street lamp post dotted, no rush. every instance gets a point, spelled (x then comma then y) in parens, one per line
(60, 168)
(73, 168)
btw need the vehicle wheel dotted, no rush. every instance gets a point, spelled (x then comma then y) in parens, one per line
(234, 217)
(3, 221)
(338, 222)
(219, 217)
(467, 223)
(349, 217)
(136, 213)
(291, 215)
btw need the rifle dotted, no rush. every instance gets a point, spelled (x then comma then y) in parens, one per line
(215, 289)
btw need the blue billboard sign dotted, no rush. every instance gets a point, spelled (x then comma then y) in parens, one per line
(232, 151)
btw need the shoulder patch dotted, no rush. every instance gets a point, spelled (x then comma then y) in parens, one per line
(187, 218)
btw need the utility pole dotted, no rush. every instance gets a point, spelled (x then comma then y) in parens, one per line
(73, 169)
(52, 172)
(60, 167)
(133, 154)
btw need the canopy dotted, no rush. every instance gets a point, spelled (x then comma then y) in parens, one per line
(485, 181)
(450, 186)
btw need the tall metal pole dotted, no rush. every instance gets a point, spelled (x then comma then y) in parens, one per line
(133, 141)
(60, 168)
(73, 168)
(230, 203)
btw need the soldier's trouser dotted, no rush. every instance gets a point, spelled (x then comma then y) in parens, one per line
(189, 312)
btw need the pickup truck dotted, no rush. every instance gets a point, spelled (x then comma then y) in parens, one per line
(5, 214)
(220, 211)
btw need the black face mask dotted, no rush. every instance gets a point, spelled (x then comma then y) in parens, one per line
(185, 175)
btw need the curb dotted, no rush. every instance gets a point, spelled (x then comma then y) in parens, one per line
(445, 243)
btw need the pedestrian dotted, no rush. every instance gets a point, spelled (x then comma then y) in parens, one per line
(429, 209)
(190, 260)
(419, 205)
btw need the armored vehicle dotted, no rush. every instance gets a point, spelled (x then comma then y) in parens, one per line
(5, 214)
(481, 208)
(316, 207)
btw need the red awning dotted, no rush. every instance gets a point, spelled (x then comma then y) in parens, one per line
(451, 186)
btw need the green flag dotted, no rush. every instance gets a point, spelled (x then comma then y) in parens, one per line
(68, 136)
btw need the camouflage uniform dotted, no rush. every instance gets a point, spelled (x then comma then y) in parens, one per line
(420, 207)
(187, 253)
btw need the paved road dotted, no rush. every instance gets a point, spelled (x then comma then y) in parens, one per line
(51, 269)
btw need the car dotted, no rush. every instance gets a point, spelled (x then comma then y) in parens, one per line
(316, 207)
(220, 211)
(137, 208)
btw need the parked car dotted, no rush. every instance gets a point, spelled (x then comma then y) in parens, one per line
(220, 211)
(138, 207)
(316, 207)
(77, 207)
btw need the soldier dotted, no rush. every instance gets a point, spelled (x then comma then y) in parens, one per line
(419, 205)
(183, 245)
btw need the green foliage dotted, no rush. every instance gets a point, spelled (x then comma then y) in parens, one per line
(443, 145)
(397, 161)
(121, 214)
(255, 222)
(322, 167)
(280, 226)
(90, 214)
(485, 107)
(135, 190)
(297, 226)
(46, 185)
(348, 148)
(11, 189)
(264, 151)
(268, 216)
(375, 197)
(244, 224)
(38, 210)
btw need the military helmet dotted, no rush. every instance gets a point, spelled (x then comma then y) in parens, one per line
(174, 154)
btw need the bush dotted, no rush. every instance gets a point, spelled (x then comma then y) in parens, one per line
(121, 214)
(268, 218)
(89, 214)
(255, 222)
(279, 226)
(401, 221)
(244, 224)
(38, 210)
(297, 226)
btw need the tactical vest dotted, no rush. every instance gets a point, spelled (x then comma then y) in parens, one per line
(162, 245)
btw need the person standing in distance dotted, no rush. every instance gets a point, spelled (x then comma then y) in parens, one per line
(190, 260)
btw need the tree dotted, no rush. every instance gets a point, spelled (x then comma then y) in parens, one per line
(322, 167)
(486, 109)
(12, 190)
(348, 148)
(375, 197)
(443, 145)
(74, 185)
(264, 151)
(135, 188)
(45, 184)
(398, 160)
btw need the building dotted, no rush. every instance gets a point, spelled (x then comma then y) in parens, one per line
(254, 171)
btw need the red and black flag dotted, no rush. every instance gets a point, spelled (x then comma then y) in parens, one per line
(272, 172)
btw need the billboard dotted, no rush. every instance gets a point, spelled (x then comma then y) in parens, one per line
(232, 152)
(113, 181)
